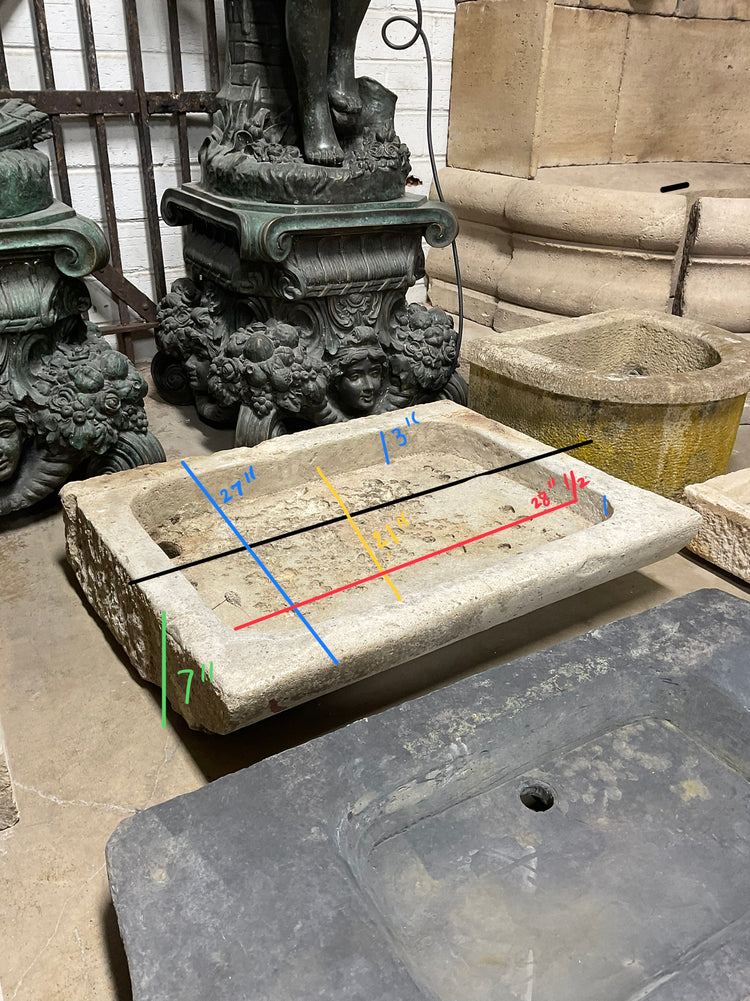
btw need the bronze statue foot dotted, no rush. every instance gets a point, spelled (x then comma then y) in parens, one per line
(319, 138)
(325, 157)
(344, 96)
(323, 152)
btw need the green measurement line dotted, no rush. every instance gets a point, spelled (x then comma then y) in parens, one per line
(164, 669)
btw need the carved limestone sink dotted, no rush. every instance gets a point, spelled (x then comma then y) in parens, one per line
(451, 561)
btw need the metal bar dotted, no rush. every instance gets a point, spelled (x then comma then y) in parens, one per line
(138, 301)
(144, 144)
(4, 78)
(48, 75)
(100, 132)
(130, 328)
(175, 52)
(164, 103)
(113, 102)
(214, 76)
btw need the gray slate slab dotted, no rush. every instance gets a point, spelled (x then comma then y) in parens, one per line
(396, 859)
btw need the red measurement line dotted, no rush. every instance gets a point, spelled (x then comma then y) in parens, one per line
(410, 563)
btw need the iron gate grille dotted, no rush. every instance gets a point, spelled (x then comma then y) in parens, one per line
(138, 104)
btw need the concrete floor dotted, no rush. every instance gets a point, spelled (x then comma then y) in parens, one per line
(86, 746)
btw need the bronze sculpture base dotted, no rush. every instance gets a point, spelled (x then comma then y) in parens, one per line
(296, 316)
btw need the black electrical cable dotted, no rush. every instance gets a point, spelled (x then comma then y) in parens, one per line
(400, 46)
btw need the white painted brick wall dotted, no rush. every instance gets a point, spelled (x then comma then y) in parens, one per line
(404, 72)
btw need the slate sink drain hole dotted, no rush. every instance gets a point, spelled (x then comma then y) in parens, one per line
(537, 797)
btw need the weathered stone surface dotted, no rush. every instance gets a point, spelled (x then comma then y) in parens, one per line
(124, 527)
(553, 277)
(578, 110)
(500, 48)
(595, 81)
(738, 10)
(683, 81)
(661, 7)
(478, 306)
(559, 249)
(660, 396)
(8, 810)
(714, 280)
(397, 859)
(724, 536)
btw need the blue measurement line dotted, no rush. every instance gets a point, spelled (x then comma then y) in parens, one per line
(258, 560)
(605, 505)
(385, 449)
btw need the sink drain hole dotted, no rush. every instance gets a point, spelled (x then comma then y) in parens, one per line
(170, 548)
(537, 797)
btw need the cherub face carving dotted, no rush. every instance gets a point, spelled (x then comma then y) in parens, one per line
(360, 384)
(11, 446)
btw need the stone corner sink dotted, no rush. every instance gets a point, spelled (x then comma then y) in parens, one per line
(571, 826)
(661, 396)
(461, 559)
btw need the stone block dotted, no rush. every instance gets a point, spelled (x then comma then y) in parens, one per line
(714, 280)
(558, 249)
(724, 536)
(575, 280)
(351, 624)
(510, 316)
(580, 94)
(661, 7)
(539, 819)
(718, 291)
(682, 85)
(479, 196)
(499, 55)
(736, 10)
(484, 253)
(596, 216)
(478, 306)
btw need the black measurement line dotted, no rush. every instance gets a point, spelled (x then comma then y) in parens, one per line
(364, 510)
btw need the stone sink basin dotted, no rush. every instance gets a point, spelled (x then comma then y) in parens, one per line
(502, 545)
(661, 396)
(572, 826)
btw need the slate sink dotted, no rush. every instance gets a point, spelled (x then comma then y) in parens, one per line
(559, 538)
(572, 826)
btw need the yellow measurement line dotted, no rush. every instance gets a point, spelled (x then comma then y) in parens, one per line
(362, 539)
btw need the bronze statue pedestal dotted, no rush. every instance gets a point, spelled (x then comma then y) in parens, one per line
(295, 316)
(69, 404)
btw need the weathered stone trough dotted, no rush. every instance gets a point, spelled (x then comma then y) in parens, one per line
(501, 550)
(661, 396)
(572, 826)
